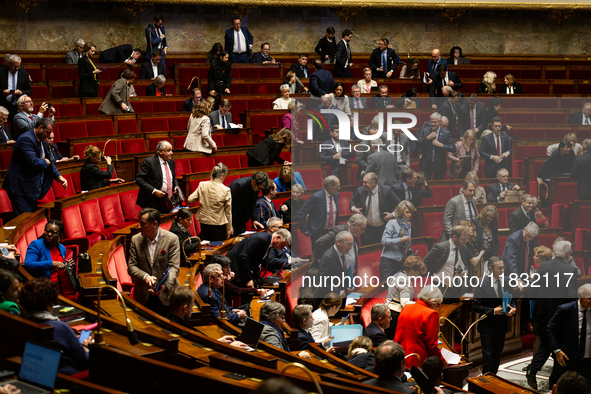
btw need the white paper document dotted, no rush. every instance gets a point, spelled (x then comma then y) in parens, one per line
(451, 358)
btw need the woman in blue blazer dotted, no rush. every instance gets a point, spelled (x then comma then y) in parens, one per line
(396, 239)
(46, 255)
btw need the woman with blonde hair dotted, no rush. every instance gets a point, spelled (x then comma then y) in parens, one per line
(88, 72)
(285, 178)
(466, 157)
(479, 195)
(366, 83)
(396, 241)
(360, 352)
(268, 151)
(284, 101)
(199, 131)
(509, 86)
(488, 83)
(91, 175)
(487, 232)
(215, 206)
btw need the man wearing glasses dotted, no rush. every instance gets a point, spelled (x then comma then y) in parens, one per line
(495, 148)
(25, 119)
(496, 192)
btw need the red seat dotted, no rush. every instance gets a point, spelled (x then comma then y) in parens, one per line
(134, 145)
(179, 141)
(6, 211)
(153, 143)
(93, 221)
(164, 106)
(130, 209)
(441, 195)
(178, 123)
(292, 292)
(112, 212)
(5, 158)
(126, 126)
(433, 224)
(368, 266)
(117, 266)
(302, 246)
(70, 109)
(75, 230)
(202, 164)
(366, 308)
(49, 197)
(143, 107)
(73, 130)
(60, 192)
(312, 178)
(218, 139)
(100, 127)
(503, 218)
(231, 161)
(154, 124)
(235, 139)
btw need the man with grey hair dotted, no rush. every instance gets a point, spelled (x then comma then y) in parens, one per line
(14, 82)
(356, 225)
(390, 367)
(583, 117)
(460, 207)
(320, 133)
(321, 212)
(433, 144)
(569, 336)
(382, 163)
(278, 258)
(5, 135)
(157, 179)
(338, 267)
(212, 275)
(381, 316)
(523, 215)
(75, 54)
(356, 101)
(581, 173)
(519, 250)
(25, 119)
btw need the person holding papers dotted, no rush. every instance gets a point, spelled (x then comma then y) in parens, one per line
(329, 307)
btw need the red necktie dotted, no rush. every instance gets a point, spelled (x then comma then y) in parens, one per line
(168, 181)
(31, 117)
(358, 104)
(330, 214)
(498, 146)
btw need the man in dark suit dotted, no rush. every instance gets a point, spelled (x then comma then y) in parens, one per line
(441, 79)
(382, 100)
(213, 274)
(252, 252)
(376, 202)
(569, 335)
(495, 148)
(264, 208)
(450, 109)
(339, 261)
(471, 115)
(191, 104)
(390, 368)
(222, 117)
(238, 42)
(120, 54)
(403, 189)
(321, 212)
(14, 82)
(384, 60)
(263, 56)
(581, 173)
(244, 197)
(519, 250)
(401, 150)
(344, 61)
(31, 174)
(5, 136)
(381, 316)
(496, 192)
(320, 133)
(382, 163)
(432, 64)
(582, 117)
(300, 68)
(75, 54)
(335, 152)
(303, 321)
(433, 144)
(356, 225)
(520, 217)
(433, 368)
(153, 67)
(321, 81)
(488, 298)
(157, 179)
(156, 39)
(356, 101)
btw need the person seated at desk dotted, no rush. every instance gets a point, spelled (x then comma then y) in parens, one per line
(213, 278)
(390, 366)
(285, 178)
(157, 88)
(560, 161)
(272, 315)
(91, 175)
(360, 353)
(293, 204)
(329, 307)
(284, 101)
(38, 297)
(231, 289)
(303, 321)
(46, 255)
(380, 322)
(433, 368)
(9, 292)
(264, 208)
(182, 222)
(53, 154)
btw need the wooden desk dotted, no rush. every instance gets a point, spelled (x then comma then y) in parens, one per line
(493, 384)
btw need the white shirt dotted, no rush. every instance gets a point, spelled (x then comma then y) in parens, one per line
(588, 340)
(334, 209)
(373, 215)
(496, 144)
(165, 168)
(12, 82)
(466, 209)
(321, 327)
(349, 259)
(152, 245)
(154, 69)
(448, 267)
(238, 35)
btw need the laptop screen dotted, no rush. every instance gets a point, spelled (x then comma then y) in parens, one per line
(251, 333)
(40, 365)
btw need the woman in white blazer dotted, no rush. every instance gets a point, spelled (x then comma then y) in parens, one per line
(329, 306)
(199, 130)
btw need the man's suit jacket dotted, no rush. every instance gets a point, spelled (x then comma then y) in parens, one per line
(518, 220)
(488, 149)
(166, 256)
(118, 54)
(5, 135)
(382, 163)
(331, 265)
(436, 87)
(353, 104)
(21, 123)
(375, 333)
(27, 169)
(485, 302)
(493, 191)
(558, 290)
(147, 72)
(327, 240)
(399, 191)
(342, 58)
(248, 255)
(316, 208)
(393, 383)
(445, 109)
(388, 200)
(426, 147)
(327, 154)
(405, 153)
(577, 118)
(437, 257)
(216, 303)
(119, 93)
(582, 175)
(263, 210)
(214, 116)
(188, 105)
(378, 101)
(23, 84)
(454, 212)
(229, 41)
(297, 69)
(260, 58)
(243, 201)
(432, 67)
(72, 57)
(153, 39)
(304, 339)
(464, 120)
(321, 83)
(375, 61)
(563, 330)
(150, 177)
(514, 253)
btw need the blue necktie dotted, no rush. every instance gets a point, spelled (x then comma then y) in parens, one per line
(304, 72)
(384, 62)
(224, 122)
(470, 210)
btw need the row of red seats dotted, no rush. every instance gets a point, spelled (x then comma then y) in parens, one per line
(185, 74)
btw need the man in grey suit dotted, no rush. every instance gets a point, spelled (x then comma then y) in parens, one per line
(222, 118)
(25, 119)
(356, 101)
(75, 54)
(381, 162)
(154, 254)
(356, 226)
(460, 207)
(401, 151)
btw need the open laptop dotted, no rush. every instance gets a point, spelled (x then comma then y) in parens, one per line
(251, 333)
(463, 60)
(38, 370)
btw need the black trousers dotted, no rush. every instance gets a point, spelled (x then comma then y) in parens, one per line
(155, 305)
(388, 268)
(213, 232)
(581, 366)
(252, 162)
(436, 170)
(493, 341)
(372, 235)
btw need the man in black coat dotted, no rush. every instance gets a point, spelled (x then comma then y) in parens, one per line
(120, 54)
(488, 298)
(337, 267)
(390, 368)
(382, 100)
(245, 192)
(381, 316)
(519, 250)
(321, 81)
(356, 225)
(443, 78)
(581, 173)
(191, 104)
(156, 179)
(384, 60)
(300, 68)
(147, 69)
(252, 252)
(433, 144)
(496, 192)
(520, 217)
(314, 218)
(403, 189)
(344, 61)
(303, 321)
(335, 151)
(582, 117)
(449, 108)
(5, 136)
(471, 115)
(14, 82)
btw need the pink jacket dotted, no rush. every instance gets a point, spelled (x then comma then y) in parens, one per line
(455, 167)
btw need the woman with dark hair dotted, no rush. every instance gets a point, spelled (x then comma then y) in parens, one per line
(418, 193)
(487, 232)
(267, 152)
(473, 246)
(215, 206)
(91, 175)
(117, 100)
(214, 53)
(454, 54)
(327, 46)
(199, 130)
(219, 78)
(340, 99)
(46, 255)
(180, 228)
(329, 307)
(409, 100)
(561, 161)
(9, 292)
(38, 298)
(509, 86)
(411, 70)
(88, 72)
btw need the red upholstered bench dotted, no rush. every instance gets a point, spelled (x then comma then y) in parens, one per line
(302, 246)
(366, 308)
(433, 224)
(133, 145)
(312, 178)
(60, 192)
(76, 231)
(130, 209)
(441, 195)
(203, 164)
(112, 212)
(117, 267)
(93, 221)
(292, 291)
(369, 264)
(5, 158)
